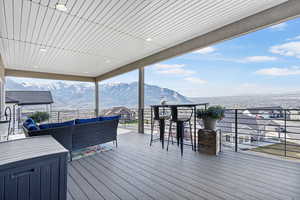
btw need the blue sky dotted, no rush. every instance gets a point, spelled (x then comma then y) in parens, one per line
(266, 61)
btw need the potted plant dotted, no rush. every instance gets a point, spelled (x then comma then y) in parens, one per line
(40, 116)
(210, 116)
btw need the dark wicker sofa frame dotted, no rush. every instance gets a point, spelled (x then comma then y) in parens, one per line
(79, 136)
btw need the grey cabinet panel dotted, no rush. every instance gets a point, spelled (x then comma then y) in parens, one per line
(1, 186)
(36, 178)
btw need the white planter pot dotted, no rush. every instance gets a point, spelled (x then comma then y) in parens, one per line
(209, 123)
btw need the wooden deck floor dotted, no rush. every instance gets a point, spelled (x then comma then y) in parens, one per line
(136, 171)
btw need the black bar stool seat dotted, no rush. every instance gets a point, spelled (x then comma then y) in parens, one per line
(180, 121)
(161, 118)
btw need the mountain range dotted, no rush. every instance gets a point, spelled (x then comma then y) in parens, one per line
(77, 95)
(70, 95)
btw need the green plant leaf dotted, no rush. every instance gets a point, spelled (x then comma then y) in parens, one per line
(214, 112)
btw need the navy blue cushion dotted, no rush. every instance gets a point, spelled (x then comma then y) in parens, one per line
(56, 125)
(67, 123)
(25, 125)
(89, 120)
(32, 127)
(109, 118)
(44, 126)
(28, 121)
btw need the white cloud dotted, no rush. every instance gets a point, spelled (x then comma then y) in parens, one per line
(177, 72)
(205, 50)
(168, 66)
(259, 59)
(279, 27)
(249, 59)
(294, 38)
(248, 85)
(287, 49)
(174, 69)
(195, 80)
(275, 71)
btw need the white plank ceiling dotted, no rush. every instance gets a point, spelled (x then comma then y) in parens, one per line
(96, 36)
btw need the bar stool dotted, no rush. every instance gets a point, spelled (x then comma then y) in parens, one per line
(161, 118)
(180, 122)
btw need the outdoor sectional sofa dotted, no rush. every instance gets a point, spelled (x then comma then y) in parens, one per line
(77, 134)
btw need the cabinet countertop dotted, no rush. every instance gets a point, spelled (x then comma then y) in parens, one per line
(28, 148)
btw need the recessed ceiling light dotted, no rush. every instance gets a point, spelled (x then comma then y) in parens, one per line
(43, 49)
(61, 7)
(107, 61)
(149, 39)
(35, 66)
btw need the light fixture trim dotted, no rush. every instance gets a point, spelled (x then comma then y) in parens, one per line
(62, 7)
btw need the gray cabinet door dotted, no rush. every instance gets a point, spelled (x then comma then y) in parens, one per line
(38, 181)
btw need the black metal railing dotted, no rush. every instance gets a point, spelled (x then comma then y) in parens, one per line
(260, 130)
(270, 131)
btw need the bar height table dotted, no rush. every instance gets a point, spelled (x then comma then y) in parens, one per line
(179, 124)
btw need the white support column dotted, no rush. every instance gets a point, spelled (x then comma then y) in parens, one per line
(97, 103)
(2, 87)
(141, 97)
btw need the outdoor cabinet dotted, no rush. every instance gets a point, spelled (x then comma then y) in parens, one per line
(33, 168)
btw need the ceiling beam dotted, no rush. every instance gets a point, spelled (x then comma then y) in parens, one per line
(277, 14)
(44, 75)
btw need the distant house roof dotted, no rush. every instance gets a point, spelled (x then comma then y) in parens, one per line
(116, 111)
(267, 108)
(29, 97)
(254, 123)
(270, 109)
(10, 100)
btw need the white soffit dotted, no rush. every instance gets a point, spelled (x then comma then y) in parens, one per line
(94, 37)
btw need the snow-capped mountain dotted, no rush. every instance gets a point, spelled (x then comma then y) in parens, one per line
(71, 95)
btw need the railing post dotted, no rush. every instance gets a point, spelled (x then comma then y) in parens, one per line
(236, 131)
(285, 118)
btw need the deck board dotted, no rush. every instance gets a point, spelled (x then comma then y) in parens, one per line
(141, 182)
(95, 182)
(135, 170)
(239, 178)
(118, 190)
(122, 181)
(159, 182)
(231, 171)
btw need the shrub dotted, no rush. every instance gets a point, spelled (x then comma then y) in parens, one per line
(215, 112)
(40, 116)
